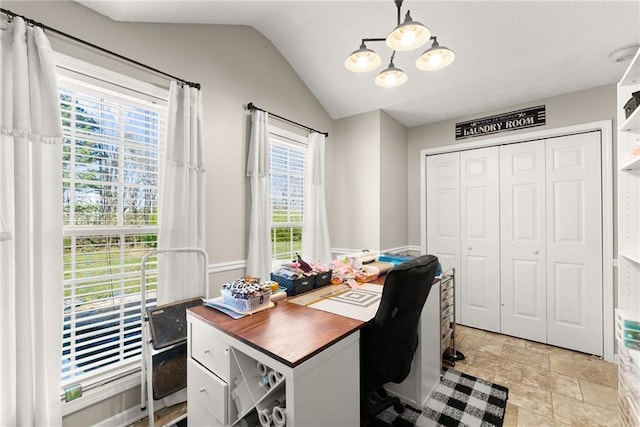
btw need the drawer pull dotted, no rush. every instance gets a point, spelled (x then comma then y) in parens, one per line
(206, 351)
(203, 389)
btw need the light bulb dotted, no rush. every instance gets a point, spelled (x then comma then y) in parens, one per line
(435, 60)
(408, 37)
(390, 79)
(363, 61)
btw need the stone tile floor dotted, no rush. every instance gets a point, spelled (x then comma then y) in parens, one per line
(548, 386)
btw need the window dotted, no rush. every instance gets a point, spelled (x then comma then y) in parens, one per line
(287, 163)
(110, 168)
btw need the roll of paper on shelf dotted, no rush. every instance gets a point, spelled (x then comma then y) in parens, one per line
(279, 415)
(262, 369)
(272, 378)
(264, 417)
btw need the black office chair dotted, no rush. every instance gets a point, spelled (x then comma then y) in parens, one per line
(389, 341)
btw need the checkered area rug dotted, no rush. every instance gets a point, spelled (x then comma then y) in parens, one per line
(459, 400)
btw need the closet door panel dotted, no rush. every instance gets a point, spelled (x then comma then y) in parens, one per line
(574, 242)
(480, 241)
(523, 240)
(443, 211)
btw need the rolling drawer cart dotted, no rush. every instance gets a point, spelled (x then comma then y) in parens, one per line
(448, 350)
(164, 342)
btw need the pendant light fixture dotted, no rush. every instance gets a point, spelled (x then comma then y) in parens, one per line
(363, 60)
(408, 35)
(435, 58)
(391, 76)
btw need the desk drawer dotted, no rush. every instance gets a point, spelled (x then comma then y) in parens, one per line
(199, 417)
(210, 350)
(206, 392)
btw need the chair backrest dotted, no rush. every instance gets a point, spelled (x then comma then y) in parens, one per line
(390, 340)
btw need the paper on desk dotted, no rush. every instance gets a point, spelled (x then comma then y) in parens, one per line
(218, 305)
(360, 303)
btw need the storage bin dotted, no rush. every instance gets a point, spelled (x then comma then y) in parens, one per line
(242, 304)
(631, 324)
(632, 104)
(322, 279)
(294, 286)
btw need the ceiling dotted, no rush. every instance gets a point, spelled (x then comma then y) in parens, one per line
(506, 52)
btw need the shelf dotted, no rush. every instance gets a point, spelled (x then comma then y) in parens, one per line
(632, 123)
(631, 257)
(632, 75)
(631, 165)
(628, 246)
(251, 394)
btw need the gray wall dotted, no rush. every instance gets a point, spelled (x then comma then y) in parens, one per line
(393, 184)
(356, 193)
(370, 192)
(574, 108)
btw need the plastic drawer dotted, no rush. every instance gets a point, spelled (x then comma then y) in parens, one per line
(206, 391)
(210, 350)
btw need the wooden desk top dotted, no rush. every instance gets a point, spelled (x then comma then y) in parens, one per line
(288, 332)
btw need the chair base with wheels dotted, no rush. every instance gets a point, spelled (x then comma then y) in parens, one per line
(374, 403)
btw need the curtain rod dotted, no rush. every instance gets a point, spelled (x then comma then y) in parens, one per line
(11, 15)
(252, 107)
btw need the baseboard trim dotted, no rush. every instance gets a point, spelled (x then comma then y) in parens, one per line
(124, 419)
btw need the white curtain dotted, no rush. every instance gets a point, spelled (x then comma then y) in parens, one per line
(31, 213)
(259, 253)
(315, 228)
(182, 202)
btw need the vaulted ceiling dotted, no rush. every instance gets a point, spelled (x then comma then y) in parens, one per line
(506, 52)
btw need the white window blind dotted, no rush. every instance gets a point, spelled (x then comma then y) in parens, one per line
(287, 163)
(110, 168)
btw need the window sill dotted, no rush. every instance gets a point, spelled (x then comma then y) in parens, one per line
(102, 392)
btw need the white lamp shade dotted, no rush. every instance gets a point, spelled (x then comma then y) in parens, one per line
(391, 77)
(435, 58)
(409, 35)
(362, 60)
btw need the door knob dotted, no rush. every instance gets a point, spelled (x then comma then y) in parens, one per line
(536, 252)
(469, 248)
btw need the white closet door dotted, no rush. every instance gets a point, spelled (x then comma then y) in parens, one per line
(574, 242)
(480, 239)
(523, 241)
(443, 211)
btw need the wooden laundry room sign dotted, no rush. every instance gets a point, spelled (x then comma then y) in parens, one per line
(519, 119)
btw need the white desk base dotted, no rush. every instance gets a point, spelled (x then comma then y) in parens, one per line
(322, 391)
(426, 365)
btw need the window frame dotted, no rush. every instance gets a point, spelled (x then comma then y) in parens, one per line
(285, 138)
(117, 379)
